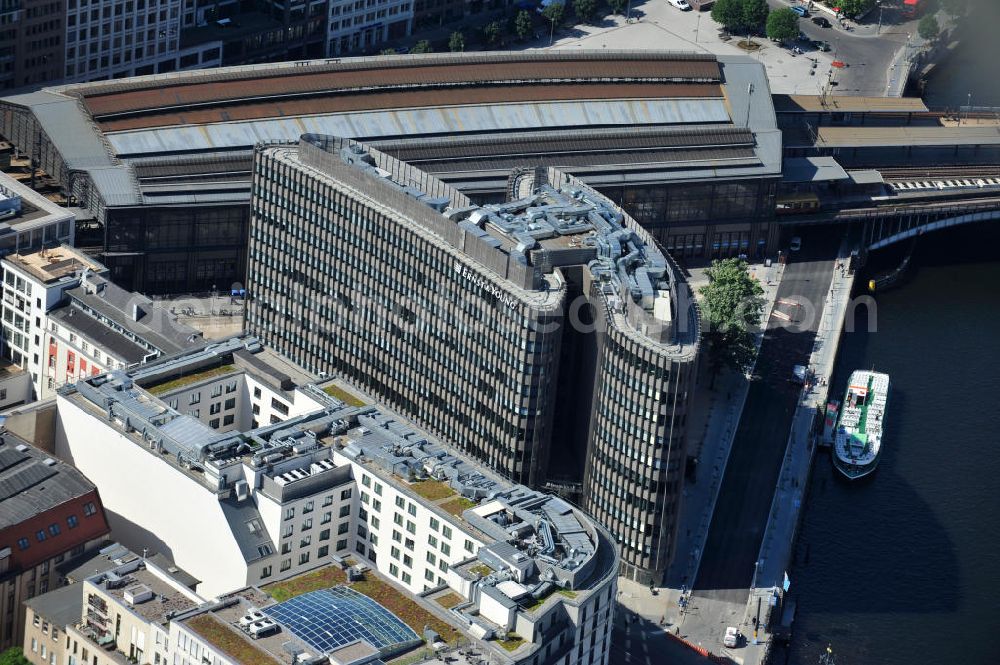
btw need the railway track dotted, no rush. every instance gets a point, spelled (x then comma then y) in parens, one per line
(939, 173)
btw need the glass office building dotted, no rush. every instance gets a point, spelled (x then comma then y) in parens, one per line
(546, 337)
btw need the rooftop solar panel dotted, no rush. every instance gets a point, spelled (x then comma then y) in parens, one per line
(331, 618)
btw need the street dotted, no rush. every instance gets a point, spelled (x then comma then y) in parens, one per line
(737, 528)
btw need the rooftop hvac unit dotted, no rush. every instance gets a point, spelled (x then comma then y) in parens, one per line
(262, 628)
(22, 448)
(242, 490)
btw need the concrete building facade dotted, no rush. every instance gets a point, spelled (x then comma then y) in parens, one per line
(48, 513)
(547, 337)
(63, 320)
(333, 479)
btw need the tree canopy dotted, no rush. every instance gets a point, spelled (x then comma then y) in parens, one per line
(492, 32)
(456, 42)
(928, 28)
(554, 12)
(13, 656)
(618, 6)
(523, 25)
(783, 24)
(728, 13)
(585, 9)
(423, 46)
(740, 15)
(732, 304)
(854, 8)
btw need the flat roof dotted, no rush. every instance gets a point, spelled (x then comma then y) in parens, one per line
(184, 125)
(917, 137)
(50, 265)
(63, 606)
(847, 104)
(812, 169)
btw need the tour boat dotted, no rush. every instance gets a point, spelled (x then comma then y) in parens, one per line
(858, 442)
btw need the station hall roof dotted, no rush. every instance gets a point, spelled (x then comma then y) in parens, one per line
(196, 130)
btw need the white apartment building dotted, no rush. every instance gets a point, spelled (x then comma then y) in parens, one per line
(121, 38)
(291, 477)
(63, 321)
(356, 25)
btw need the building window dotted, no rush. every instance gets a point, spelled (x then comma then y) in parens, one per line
(53, 529)
(432, 541)
(366, 480)
(345, 494)
(325, 550)
(40, 536)
(265, 572)
(194, 398)
(324, 534)
(279, 406)
(446, 531)
(412, 509)
(394, 570)
(72, 521)
(289, 513)
(307, 524)
(446, 549)
(23, 544)
(286, 564)
(307, 508)
(435, 524)
(468, 546)
(228, 419)
(304, 558)
(406, 578)
(400, 502)
(89, 509)
(342, 528)
(345, 511)
(256, 392)
(231, 403)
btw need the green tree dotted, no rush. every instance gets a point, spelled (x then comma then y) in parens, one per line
(928, 28)
(728, 14)
(524, 27)
(492, 32)
(456, 42)
(554, 12)
(13, 656)
(783, 24)
(387, 51)
(618, 6)
(585, 9)
(733, 303)
(755, 14)
(423, 46)
(854, 8)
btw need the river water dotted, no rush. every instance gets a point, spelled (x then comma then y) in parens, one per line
(974, 67)
(903, 568)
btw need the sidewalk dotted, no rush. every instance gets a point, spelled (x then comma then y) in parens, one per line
(712, 424)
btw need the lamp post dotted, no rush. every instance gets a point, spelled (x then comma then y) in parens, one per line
(968, 108)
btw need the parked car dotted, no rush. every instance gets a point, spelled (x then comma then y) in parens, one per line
(821, 21)
(680, 4)
(801, 11)
(732, 638)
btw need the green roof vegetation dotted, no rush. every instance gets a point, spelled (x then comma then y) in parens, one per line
(347, 398)
(481, 568)
(432, 490)
(324, 578)
(408, 611)
(229, 641)
(458, 505)
(567, 593)
(180, 382)
(449, 600)
(512, 642)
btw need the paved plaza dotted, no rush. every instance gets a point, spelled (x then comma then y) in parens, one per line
(872, 52)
